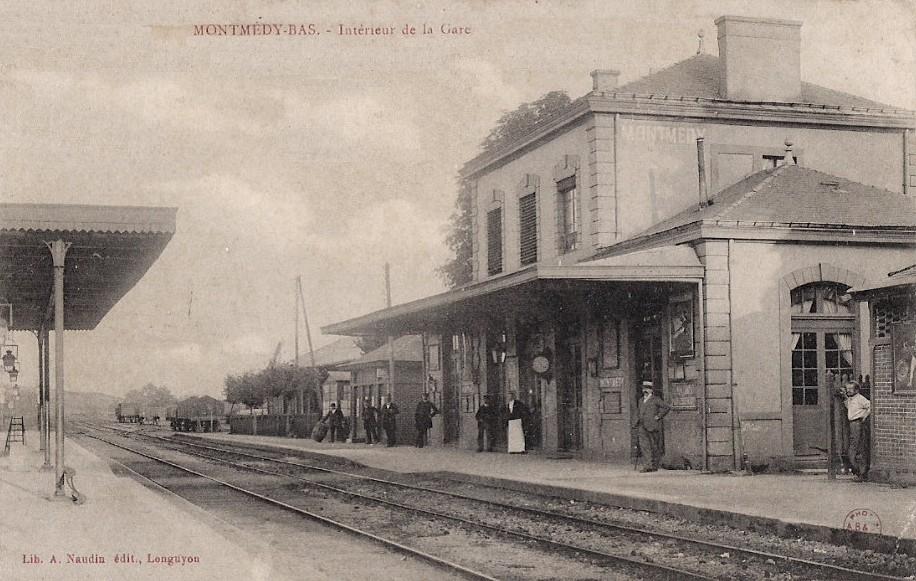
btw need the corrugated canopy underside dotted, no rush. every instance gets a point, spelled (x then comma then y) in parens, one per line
(111, 248)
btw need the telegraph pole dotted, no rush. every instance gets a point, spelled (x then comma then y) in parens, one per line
(308, 335)
(390, 338)
(301, 401)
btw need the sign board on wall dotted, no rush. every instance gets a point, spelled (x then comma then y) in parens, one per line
(655, 161)
(903, 340)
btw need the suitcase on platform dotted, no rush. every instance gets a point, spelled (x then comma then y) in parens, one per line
(320, 431)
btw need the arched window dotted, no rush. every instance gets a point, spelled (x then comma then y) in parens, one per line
(821, 298)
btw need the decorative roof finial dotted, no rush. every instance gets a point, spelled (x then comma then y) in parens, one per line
(789, 158)
(700, 41)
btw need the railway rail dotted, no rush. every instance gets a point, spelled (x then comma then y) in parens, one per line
(617, 566)
(675, 550)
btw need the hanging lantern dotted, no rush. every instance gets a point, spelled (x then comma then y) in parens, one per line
(9, 358)
(14, 377)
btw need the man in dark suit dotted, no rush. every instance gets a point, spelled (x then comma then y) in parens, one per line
(390, 413)
(334, 419)
(370, 422)
(652, 409)
(423, 419)
(487, 420)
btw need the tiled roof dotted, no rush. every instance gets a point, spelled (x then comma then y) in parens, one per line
(798, 196)
(698, 76)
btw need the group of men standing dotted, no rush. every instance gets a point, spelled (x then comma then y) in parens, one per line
(514, 417)
(386, 417)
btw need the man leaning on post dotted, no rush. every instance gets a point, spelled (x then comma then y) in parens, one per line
(858, 408)
(652, 409)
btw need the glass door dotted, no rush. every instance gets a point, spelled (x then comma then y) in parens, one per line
(821, 359)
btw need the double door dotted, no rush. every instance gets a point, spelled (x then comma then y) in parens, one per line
(569, 386)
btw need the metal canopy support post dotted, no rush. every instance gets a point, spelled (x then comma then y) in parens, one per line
(46, 394)
(43, 436)
(59, 254)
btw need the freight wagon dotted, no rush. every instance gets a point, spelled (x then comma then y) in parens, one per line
(197, 414)
(132, 413)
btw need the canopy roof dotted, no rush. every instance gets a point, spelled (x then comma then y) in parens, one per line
(408, 348)
(664, 264)
(111, 248)
(902, 279)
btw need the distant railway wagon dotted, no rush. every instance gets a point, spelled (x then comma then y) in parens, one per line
(197, 414)
(127, 413)
(132, 413)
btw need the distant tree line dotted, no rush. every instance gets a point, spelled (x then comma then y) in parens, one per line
(255, 389)
(151, 396)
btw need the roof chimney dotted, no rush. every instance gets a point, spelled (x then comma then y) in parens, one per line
(604, 79)
(759, 59)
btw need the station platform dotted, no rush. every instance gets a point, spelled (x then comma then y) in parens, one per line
(46, 538)
(792, 505)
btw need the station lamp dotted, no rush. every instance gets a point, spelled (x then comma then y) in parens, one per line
(498, 352)
(9, 360)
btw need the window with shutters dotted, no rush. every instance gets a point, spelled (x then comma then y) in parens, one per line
(495, 241)
(568, 213)
(528, 229)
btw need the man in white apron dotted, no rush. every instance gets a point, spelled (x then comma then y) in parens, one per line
(517, 416)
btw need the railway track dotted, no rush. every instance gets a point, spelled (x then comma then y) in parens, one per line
(613, 566)
(684, 557)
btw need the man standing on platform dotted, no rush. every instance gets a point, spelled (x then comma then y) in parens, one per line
(423, 419)
(652, 409)
(390, 412)
(370, 422)
(517, 417)
(858, 408)
(487, 420)
(334, 419)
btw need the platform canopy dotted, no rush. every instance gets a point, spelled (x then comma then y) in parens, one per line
(665, 264)
(111, 248)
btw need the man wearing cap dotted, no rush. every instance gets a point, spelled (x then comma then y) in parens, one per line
(652, 409)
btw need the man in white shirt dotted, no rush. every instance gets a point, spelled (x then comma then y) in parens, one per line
(858, 408)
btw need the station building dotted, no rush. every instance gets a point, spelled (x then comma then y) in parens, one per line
(600, 259)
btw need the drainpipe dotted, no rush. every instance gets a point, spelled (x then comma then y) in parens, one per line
(906, 162)
(701, 359)
(737, 436)
(701, 173)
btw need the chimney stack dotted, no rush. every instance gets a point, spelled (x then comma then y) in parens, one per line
(604, 79)
(759, 59)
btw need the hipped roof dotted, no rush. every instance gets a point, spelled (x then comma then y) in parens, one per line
(795, 196)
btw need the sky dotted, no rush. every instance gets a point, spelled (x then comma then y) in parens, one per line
(323, 156)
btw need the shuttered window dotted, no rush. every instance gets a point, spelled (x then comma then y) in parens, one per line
(568, 212)
(495, 241)
(528, 228)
